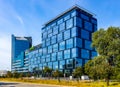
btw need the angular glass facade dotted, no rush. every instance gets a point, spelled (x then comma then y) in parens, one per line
(66, 42)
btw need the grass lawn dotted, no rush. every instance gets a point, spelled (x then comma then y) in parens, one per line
(63, 82)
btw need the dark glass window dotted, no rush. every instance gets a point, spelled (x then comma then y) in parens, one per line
(77, 42)
(77, 22)
(67, 54)
(95, 27)
(85, 54)
(78, 62)
(85, 17)
(62, 45)
(55, 30)
(85, 34)
(55, 65)
(94, 21)
(88, 45)
(67, 34)
(60, 55)
(88, 26)
(54, 39)
(49, 49)
(94, 54)
(48, 42)
(55, 47)
(75, 52)
(54, 56)
(69, 63)
(62, 64)
(62, 26)
(69, 43)
(60, 37)
(69, 23)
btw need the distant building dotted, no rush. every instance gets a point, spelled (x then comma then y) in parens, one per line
(3, 72)
(19, 45)
(66, 42)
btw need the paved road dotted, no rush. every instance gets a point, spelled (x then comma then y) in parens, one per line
(15, 84)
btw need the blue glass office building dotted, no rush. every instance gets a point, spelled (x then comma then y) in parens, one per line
(19, 45)
(66, 42)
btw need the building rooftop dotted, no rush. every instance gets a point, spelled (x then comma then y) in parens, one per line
(70, 9)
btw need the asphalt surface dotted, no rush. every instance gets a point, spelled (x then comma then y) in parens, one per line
(15, 84)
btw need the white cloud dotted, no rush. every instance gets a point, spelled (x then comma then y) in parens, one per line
(20, 19)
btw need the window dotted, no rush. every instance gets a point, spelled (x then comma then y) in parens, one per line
(77, 22)
(78, 62)
(55, 65)
(60, 21)
(75, 52)
(54, 39)
(85, 17)
(69, 63)
(62, 64)
(49, 49)
(94, 21)
(62, 45)
(60, 55)
(48, 58)
(54, 56)
(43, 43)
(55, 30)
(48, 42)
(42, 59)
(44, 65)
(44, 51)
(62, 26)
(85, 34)
(50, 35)
(93, 54)
(95, 27)
(88, 26)
(55, 47)
(77, 42)
(74, 31)
(69, 23)
(50, 65)
(69, 43)
(60, 37)
(67, 17)
(88, 45)
(44, 35)
(74, 13)
(67, 34)
(40, 66)
(85, 54)
(66, 54)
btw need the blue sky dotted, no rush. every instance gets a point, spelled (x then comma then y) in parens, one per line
(26, 17)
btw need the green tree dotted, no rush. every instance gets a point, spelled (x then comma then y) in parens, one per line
(57, 74)
(9, 74)
(47, 71)
(78, 72)
(107, 44)
(16, 74)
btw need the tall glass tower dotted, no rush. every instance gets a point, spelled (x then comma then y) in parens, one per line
(19, 45)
